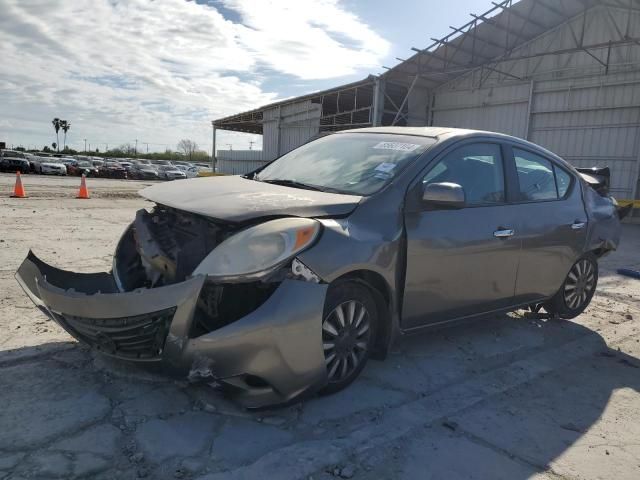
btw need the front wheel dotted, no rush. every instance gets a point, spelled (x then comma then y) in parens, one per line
(348, 332)
(577, 290)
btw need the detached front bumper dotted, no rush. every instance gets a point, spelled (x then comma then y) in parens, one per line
(270, 356)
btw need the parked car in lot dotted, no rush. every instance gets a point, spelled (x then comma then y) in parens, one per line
(34, 163)
(169, 172)
(126, 165)
(31, 158)
(14, 161)
(47, 164)
(111, 169)
(82, 167)
(191, 171)
(285, 281)
(141, 171)
(52, 167)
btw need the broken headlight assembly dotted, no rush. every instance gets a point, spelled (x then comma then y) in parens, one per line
(258, 251)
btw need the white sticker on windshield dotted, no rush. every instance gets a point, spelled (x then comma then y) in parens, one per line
(402, 147)
(385, 167)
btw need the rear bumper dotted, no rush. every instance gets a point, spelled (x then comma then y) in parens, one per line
(270, 356)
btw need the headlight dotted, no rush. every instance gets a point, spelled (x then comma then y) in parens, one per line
(257, 250)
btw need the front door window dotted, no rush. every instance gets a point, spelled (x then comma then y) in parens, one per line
(477, 168)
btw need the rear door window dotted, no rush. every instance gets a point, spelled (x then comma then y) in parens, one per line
(563, 181)
(535, 176)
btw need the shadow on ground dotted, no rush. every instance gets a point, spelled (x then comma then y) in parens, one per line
(509, 395)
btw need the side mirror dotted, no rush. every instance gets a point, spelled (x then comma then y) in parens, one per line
(444, 194)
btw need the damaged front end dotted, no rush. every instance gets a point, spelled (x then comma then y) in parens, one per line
(225, 301)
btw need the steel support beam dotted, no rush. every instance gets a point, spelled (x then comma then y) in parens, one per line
(213, 147)
(471, 32)
(464, 50)
(496, 25)
(405, 100)
(519, 15)
(378, 102)
(553, 10)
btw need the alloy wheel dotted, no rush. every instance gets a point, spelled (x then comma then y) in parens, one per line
(345, 339)
(580, 284)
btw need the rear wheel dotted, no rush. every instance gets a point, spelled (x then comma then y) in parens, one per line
(577, 290)
(348, 333)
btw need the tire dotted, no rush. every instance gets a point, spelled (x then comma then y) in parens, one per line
(577, 290)
(348, 338)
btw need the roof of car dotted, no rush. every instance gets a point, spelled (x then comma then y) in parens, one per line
(433, 132)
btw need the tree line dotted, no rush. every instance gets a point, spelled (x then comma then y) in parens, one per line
(187, 148)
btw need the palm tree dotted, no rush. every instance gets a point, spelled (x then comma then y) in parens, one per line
(65, 126)
(56, 125)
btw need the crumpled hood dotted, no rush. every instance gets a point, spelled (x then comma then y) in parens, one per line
(237, 199)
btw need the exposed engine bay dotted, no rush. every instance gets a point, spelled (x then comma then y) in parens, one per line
(164, 246)
(171, 243)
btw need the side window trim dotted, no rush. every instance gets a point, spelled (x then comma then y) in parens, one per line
(571, 181)
(511, 174)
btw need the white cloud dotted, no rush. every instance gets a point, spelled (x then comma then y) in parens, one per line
(161, 70)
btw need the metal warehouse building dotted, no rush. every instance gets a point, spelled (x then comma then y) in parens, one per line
(561, 73)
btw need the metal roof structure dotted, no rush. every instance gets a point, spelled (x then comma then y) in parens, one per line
(486, 42)
(251, 121)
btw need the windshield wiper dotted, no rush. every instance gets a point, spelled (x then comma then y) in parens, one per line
(294, 184)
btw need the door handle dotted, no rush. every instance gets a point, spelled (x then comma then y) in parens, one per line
(504, 233)
(578, 225)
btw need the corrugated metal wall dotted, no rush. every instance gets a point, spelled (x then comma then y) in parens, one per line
(575, 106)
(597, 123)
(502, 109)
(288, 127)
(239, 162)
(284, 128)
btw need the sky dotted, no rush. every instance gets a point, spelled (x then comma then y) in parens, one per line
(158, 71)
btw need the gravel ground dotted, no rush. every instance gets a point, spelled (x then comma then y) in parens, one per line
(510, 397)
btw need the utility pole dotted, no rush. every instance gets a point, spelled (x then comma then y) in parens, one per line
(147, 146)
(135, 152)
(85, 145)
(251, 144)
(230, 147)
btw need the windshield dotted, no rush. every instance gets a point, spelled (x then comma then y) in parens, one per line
(352, 163)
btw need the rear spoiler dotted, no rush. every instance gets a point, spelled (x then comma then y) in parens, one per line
(598, 177)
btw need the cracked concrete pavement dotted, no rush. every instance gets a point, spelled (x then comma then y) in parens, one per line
(513, 396)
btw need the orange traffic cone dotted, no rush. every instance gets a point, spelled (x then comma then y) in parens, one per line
(18, 190)
(84, 191)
